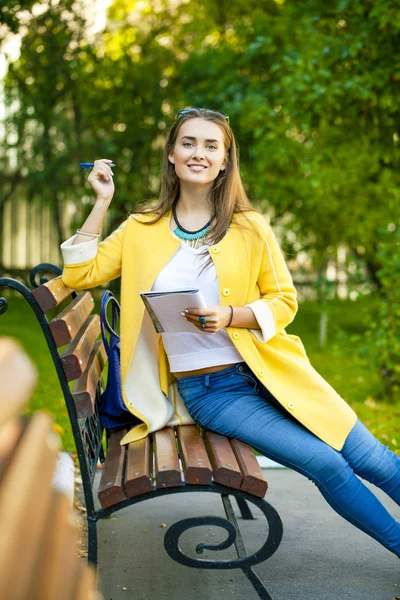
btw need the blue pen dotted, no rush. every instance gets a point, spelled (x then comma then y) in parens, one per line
(90, 165)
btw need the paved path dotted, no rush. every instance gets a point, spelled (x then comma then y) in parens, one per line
(321, 557)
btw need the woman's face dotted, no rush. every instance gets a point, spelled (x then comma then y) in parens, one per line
(198, 142)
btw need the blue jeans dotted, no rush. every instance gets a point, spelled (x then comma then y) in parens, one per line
(234, 403)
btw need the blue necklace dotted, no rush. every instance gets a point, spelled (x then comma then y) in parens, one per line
(191, 236)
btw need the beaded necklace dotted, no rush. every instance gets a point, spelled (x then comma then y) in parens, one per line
(194, 239)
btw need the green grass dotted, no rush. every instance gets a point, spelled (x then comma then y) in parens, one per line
(350, 376)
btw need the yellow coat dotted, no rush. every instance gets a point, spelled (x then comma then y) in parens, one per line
(250, 271)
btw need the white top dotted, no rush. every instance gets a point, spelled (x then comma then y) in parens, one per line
(189, 351)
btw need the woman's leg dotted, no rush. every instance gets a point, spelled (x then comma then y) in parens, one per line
(373, 461)
(229, 403)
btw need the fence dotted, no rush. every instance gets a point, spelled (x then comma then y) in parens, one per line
(29, 232)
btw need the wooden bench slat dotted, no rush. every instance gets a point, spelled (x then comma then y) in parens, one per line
(67, 323)
(86, 584)
(76, 355)
(196, 464)
(38, 529)
(15, 366)
(57, 563)
(111, 490)
(27, 479)
(167, 468)
(226, 470)
(139, 462)
(253, 478)
(84, 391)
(10, 433)
(51, 294)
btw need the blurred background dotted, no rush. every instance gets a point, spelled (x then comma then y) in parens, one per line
(312, 89)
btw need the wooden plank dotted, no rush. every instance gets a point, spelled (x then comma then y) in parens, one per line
(67, 323)
(84, 390)
(253, 477)
(26, 483)
(167, 469)
(76, 355)
(226, 470)
(18, 377)
(10, 434)
(139, 468)
(196, 464)
(111, 490)
(56, 567)
(86, 584)
(51, 294)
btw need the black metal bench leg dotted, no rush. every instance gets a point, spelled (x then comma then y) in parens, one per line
(92, 542)
(245, 561)
(244, 508)
(240, 547)
(257, 584)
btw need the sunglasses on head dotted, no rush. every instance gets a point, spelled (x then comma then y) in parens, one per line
(185, 111)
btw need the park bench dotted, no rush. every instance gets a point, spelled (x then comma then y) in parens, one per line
(170, 461)
(39, 534)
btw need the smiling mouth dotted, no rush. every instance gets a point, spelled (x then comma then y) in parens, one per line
(197, 168)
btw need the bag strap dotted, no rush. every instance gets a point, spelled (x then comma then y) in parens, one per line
(107, 297)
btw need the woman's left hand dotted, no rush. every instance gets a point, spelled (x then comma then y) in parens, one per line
(217, 317)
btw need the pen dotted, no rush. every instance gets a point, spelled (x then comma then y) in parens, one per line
(89, 165)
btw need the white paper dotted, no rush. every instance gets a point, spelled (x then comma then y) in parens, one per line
(168, 306)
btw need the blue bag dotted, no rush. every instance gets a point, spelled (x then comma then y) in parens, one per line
(113, 412)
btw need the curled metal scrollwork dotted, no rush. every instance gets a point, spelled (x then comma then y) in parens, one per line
(221, 523)
(46, 267)
(13, 284)
(3, 305)
(172, 536)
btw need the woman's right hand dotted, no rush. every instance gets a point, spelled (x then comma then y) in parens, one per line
(101, 180)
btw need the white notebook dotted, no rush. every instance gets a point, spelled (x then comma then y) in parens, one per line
(165, 309)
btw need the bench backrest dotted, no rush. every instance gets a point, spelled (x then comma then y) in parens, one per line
(79, 357)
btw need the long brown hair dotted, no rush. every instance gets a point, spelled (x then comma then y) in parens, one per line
(227, 195)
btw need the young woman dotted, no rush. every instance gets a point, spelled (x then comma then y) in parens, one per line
(239, 373)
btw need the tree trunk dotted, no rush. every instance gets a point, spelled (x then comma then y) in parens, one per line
(322, 290)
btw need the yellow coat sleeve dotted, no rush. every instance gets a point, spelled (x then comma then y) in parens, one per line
(277, 305)
(103, 265)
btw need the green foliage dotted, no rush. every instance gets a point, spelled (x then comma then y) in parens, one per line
(312, 92)
(10, 14)
(311, 89)
(379, 342)
(343, 364)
